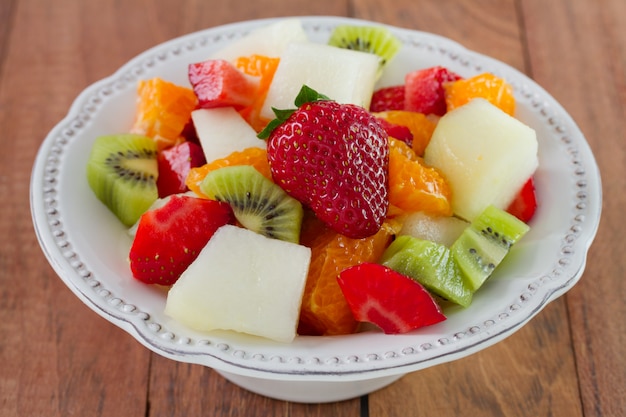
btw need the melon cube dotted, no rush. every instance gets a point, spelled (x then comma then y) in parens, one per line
(242, 281)
(485, 155)
(344, 75)
(269, 40)
(222, 131)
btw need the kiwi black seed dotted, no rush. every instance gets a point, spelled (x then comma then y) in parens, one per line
(484, 243)
(122, 171)
(377, 40)
(258, 203)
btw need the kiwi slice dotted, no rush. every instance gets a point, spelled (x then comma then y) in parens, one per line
(258, 203)
(429, 263)
(484, 243)
(122, 171)
(376, 40)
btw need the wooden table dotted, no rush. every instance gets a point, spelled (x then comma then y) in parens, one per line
(57, 358)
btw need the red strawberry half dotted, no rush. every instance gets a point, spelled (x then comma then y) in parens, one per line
(388, 98)
(392, 301)
(424, 92)
(174, 165)
(525, 203)
(333, 158)
(169, 238)
(218, 83)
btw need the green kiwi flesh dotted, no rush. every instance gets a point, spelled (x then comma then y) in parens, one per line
(122, 171)
(429, 263)
(377, 40)
(484, 243)
(258, 204)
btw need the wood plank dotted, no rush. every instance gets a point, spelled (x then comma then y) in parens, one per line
(578, 53)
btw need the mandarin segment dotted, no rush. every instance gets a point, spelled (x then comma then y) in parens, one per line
(324, 310)
(163, 111)
(256, 157)
(488, 86)
(420, 125)
(263, 67)
(413, 186)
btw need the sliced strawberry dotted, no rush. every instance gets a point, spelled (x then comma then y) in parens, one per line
(525, 204)
(169, 238)
(392, 301)
(174, 166)
(334, 159)
(396, 131)
(388, 98)
(424, 92)
(218, 83)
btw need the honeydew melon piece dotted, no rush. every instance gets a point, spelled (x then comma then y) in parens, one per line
(245, 282)
(485, 155)
(441, 229)
(344, 75)
(222, 131)
(268, 40)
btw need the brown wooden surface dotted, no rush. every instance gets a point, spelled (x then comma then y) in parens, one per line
(57, 358)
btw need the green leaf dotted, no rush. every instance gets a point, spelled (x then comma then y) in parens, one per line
(308, 95)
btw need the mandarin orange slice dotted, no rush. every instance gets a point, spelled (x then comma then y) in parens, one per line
(324, 310)
(413, 186)
(488, 86)
(256, 157)
(263, 67)
(420, 125)
(163, 110)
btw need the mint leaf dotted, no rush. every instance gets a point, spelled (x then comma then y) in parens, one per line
(307, 95)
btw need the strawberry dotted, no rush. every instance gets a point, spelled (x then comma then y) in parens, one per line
(168, 239)
(174, 165)
(396, 131)
(218, 83)
(334, 159)
(424, 92)
(388, 98)
(525, 204)
(392, 301)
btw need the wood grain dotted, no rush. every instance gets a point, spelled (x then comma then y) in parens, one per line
(58, 358)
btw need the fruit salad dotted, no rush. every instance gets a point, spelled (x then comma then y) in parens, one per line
(283, 192)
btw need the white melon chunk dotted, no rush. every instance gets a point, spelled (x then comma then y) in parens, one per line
(485, 155)
(440, 229)
(242, 281)
(268, 40)
(344, 75)
(222, 131)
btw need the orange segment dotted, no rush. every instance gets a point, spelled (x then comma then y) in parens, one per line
(413, 186)
(163, 110)
(256, 157)
(487, 86)
(263, 67)
(324, 309)
(420, 125)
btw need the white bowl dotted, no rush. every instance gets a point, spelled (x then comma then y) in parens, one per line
(88, 247)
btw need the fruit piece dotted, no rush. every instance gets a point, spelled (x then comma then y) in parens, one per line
(263, 67)
(429, 263)
(333, 158)
(485, 155)
(255, 157)
(122, 171)
(414, 186)
(346, 76)
(488, 86)
(392, 301)
(258, 203)
(441, 229)
(163, 110)
(424, 92)
(269, 40)
(245, 282)
(223, 131)
(485, 243)
(174, 166)
(388, 98)
(168, 239)
(395, 131)
(376, 40)
(324, 308)
(525, 203)
(420, 126)
(218, 83)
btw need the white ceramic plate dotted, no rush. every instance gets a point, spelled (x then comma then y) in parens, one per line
(87, 246)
